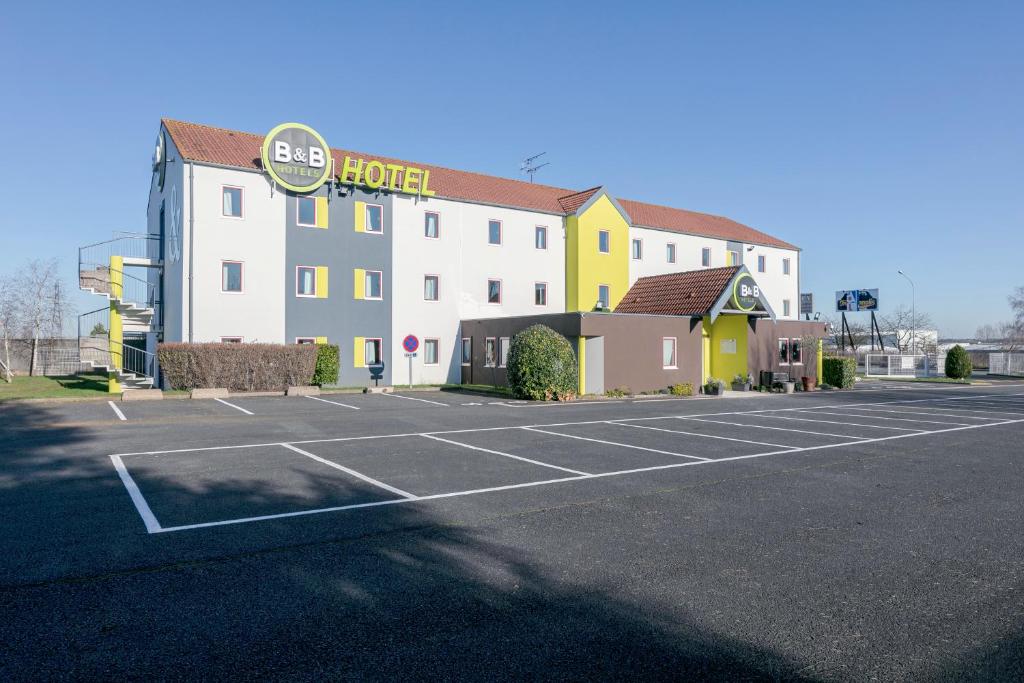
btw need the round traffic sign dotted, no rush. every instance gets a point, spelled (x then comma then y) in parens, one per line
(410, 343)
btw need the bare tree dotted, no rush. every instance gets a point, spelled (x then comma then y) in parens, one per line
(9, 321)
(1013, 336)
(43, 304)
(835, 335)
(906, 329)
(988, 332)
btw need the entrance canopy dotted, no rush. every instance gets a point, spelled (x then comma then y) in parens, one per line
(708, 292)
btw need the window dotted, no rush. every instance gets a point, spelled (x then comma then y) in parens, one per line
(785, 307)
(431, 225)
(375, 218)
(668, 353)
(540, 294)
(305, 281)
(494, 232)
(603, 295)
(785, 266)
(503, 345)
(494, 291)
(373, 352)
(231, 276)
(705, 257)
(670, 252)
(784, 352)
(638, 249)
(430, 351)
(761, 263)
(230, 340)
(732, 258)
(540, 237)
(305, 211)
(431, 287)
(795, 352)
(467, 350)
(374, 285)
(603, 241)
(490, 352)
(232, 201)
(305, 340)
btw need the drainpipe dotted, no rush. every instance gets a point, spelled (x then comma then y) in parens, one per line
(191, 245)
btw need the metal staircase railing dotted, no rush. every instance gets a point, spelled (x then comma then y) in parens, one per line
(127, 245)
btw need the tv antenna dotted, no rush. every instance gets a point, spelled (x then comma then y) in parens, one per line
(530, 165)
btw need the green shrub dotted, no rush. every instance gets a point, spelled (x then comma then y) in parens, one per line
(618, 392)
(327, 364)
(958, 363)
(681, 389)
(542, 365)
(839, 371)
(237, 367)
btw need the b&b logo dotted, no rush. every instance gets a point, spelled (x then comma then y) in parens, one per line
(746, 293)
(297, 157)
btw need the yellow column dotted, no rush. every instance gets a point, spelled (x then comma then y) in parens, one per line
(821, 356)
(116, 332)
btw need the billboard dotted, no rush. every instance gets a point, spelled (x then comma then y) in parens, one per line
(853, 300)
(807, 303)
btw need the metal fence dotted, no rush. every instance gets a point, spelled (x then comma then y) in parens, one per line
(904, 365)
(1011, 364)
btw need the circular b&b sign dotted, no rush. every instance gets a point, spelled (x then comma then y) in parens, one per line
(297, 157)
(410, 343)
(745, 292)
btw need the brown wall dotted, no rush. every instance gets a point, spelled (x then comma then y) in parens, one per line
(566, 324)
(763, 346)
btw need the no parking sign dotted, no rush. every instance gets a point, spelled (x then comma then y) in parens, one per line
(411, 343)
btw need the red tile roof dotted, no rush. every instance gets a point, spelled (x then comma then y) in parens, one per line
(691, 293)
(224, 147)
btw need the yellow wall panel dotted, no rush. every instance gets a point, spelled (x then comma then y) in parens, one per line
(359, 283)
(321, 282)
(359, 352)
(360, 217)
(321, 212)
(586, 268)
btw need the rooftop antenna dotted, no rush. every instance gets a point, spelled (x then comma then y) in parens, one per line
(530, 165)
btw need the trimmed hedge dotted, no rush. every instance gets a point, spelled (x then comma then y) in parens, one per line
(542, 365)
(839, 371)
(328, 364)
(958, 363)
(238, 367)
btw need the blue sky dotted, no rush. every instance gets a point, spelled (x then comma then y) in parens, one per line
(874, 135)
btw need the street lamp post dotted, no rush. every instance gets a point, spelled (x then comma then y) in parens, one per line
(913, 313)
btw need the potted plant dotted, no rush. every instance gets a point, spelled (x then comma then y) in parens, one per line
(713, 387)
(809, 382)
(809, 344)
(741, 383)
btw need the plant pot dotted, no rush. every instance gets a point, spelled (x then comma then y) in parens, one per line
(809, 383)
(715, 390)
(789, 387)
(741, 386)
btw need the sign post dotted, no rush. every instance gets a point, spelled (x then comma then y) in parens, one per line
(410, 344)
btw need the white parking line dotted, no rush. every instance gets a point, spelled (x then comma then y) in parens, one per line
(836, 422)
(324, 400)
(117, 411)
(879, 417)
(988, 403)
(614, 443)
(706, 436)
(961, 409)
(220, 400)
(421, 400)
(507, 455)
(509, 487)
(148, 518)
(357, 475)
(777, 429)
(921, 412)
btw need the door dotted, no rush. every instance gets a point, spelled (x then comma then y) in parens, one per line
(466, 358)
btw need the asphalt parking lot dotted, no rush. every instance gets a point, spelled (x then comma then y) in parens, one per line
(834, 535)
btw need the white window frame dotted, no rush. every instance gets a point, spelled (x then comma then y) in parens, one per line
(636, 249)
(380, 347)
(366, 289)
(787, 308)
(305, 340)
(241, 278)
(298, 204)
(231, 340)
(544, 285)
(504, 344)
(608, 241)
(437, 350)
(367, 222)
(494, 361)
(298, 269)
(241, 202)
(501, 293)
(467, 342)
(762, 263)
(501, 232)
(786, 266)
(675, 353)
(793, 358)
(736, 261)
(437, 287)
(437, 224)
(670, 252)
(608, 302)
(778, 351)
(539, 230)
(705, 262)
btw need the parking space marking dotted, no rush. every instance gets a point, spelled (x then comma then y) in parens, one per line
(988, 403)
(148, 518)
(336, 403)
(961, 409)
(509, 487)
(614, 443)
(117, 411)
(836, 422)
(921, 412)
(706, 436)
(357, 475)
(507, 455)
(778, 429)
(421, 400)
(220, 400)
(880, 417)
